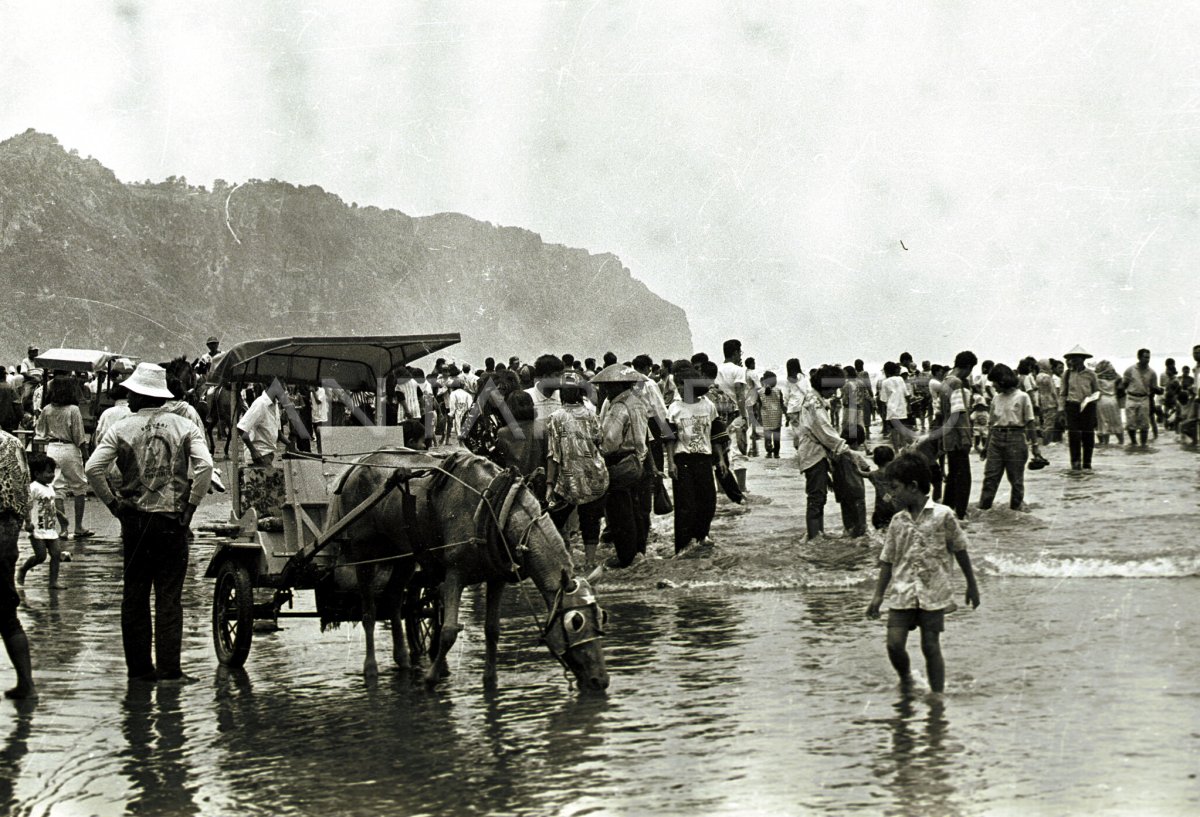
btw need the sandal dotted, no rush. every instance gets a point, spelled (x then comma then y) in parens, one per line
(83, 534)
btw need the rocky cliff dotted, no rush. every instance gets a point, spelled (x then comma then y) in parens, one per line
(152, 269)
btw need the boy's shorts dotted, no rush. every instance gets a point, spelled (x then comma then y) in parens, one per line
(909, 619)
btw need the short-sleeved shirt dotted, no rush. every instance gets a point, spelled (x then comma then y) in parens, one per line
(1011, 409)
(729, 376)
(921, 553)
(894, 392)
(1139, 383)
(571, 434)
(1077, 386)
(43, 517)
(261, 422)
(544, 406)
(955, 398)
(693, 424)
(61, 423)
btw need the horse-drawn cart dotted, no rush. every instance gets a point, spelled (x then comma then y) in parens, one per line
(289, 525)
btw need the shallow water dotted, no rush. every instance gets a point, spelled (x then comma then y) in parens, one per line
(754, 686)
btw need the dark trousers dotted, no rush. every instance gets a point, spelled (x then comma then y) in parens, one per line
(816, 488)
(156, 556)
(695, 493)
(590, 514)
(1007, 453)
(1081, 433)
(771, 440)
(851, 495)
(628, 516)
(958, 481)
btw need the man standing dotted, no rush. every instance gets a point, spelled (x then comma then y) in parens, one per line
(165, 470)
(956, 432)
(731, 405)
(547, 371)
(1140, 383)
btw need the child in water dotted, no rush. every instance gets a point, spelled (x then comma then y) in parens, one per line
(881, 517)
(44, 520)
(979, 424)
(914, 569)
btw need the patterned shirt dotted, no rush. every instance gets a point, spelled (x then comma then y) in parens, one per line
(623, 425)
(571, 435)
(920, 553)
(818, 439)
(14, 476)
(693, 425)
(162, 458)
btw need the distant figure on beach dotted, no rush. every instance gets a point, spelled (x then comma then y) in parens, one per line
(1080, 395)
(1108, 408)
(1141, 384)
(1012, 430)
(914, 570)
(956, 436)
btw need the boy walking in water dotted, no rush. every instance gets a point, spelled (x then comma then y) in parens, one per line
(914, 569)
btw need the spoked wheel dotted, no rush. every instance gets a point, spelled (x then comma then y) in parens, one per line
(423, 621)
(233, 614)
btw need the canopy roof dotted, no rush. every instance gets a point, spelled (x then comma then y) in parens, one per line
(353, 362)
(73, 360)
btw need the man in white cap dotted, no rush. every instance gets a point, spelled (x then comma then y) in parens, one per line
(165, 469)
(27, 363)
(202, 363)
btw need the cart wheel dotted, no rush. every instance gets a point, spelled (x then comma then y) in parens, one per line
(423, 622)
(233, 614)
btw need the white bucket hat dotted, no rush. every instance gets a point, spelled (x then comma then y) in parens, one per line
(149, 380)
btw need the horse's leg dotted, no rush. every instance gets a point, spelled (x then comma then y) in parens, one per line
(399, 647)
(451, 597)
(491, 629)
(366, 578)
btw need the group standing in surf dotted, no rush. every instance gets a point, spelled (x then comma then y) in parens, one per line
(604, 444)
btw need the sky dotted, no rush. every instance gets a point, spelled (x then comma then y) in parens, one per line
(822, 180)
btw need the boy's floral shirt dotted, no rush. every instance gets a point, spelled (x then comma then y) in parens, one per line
(921, 552)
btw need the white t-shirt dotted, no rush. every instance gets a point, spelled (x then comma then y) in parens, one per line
(729, 375)
(42, 516)
(320, 405)
(693, 425)
(543, 406)
(894, 392)
(261, 422)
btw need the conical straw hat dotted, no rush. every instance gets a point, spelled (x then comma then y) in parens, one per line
(1078, 351)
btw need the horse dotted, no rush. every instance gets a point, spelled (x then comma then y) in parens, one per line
(218, 414)
(466, 521)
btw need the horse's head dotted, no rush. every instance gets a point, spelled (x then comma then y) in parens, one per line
(574, 630)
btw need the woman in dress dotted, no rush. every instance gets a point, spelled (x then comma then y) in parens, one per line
(1108, 411)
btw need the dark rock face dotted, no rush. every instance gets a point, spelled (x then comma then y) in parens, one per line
(153, 269)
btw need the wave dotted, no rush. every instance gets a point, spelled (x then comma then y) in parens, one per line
(1164, 566)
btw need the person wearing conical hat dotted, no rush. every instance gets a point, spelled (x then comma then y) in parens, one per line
(1080, 392)
(1140, 383)
(165, 471)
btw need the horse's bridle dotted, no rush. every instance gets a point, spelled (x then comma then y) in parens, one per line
(576, 618)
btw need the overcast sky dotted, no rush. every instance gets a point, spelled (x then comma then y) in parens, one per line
(757, 163)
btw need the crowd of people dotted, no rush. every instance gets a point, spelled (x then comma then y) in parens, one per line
(604, 444)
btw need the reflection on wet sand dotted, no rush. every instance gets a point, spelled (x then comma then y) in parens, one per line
(154, 756)
(913, 766)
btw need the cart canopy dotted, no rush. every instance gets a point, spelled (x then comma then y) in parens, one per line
(355, 363)
(73, 360)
